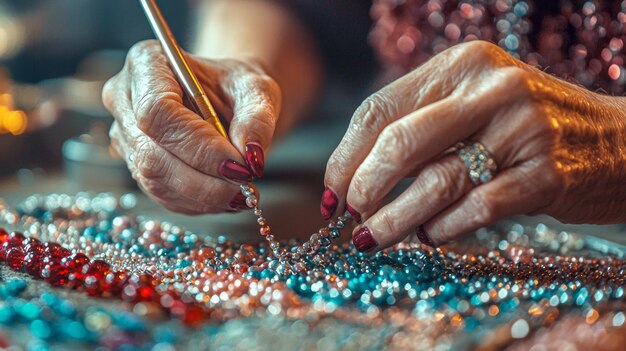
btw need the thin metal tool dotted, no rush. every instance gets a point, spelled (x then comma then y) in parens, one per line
(179, 65)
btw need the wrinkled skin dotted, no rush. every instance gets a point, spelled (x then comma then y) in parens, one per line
(560, 149)
(172, 153)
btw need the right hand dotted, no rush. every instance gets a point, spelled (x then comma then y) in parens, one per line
(178, 159)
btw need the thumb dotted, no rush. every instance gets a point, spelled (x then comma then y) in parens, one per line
(256, 108)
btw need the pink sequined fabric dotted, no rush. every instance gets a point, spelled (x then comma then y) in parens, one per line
(580, 41)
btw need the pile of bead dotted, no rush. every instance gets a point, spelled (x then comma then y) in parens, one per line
(59, 318)
(59, 267)
(419, 296)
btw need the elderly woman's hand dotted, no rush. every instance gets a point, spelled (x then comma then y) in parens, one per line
(179, 159)
(560, 150)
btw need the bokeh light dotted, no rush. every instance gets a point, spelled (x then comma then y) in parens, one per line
(11, 121)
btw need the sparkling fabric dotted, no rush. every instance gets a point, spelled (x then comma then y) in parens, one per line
(580, 41)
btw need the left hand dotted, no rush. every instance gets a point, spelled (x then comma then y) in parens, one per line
(559, 150)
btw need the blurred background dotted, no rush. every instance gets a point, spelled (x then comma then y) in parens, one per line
(54, 59)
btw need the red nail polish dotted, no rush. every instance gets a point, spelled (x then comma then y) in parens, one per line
(354, 213)
(235, 171)
(328, 204)
(421, 234)
(238, 202)
(255, 158)
(363, 240)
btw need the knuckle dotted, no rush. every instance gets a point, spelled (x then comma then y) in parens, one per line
(513, 76)
(479, 47)
(395, 144)
(108, 93)
(445, 183)
(359, 194)
(148, 162)
(143, 49)
(444, 236)
(151, 186)
(554, 178)
(388, 223)
(201, 153)
(273, 91)
(149, 112)
(335, 169)
(484, 211)
(113, 131)
(373, 112)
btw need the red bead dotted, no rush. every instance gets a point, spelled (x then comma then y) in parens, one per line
(93, 285)
(34, 264)
(15, 258)
(98, 268)
(4, 236)
(55, 250)
(17, 237)
(51, 261)
(34, 246)
(5, 248)
(139, 288)
(114, 282)
(145, 293)
(76, 279)
(193, 315)
(76, 261)
(30, 240)
(56, 275)
(95, 273)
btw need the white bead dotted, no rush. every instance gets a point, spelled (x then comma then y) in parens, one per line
(251, 201)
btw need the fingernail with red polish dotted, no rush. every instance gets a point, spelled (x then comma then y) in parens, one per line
(235, 171)
(255, 158)
(328, 204)
(422, 234)
(363, 240)
(354, 213)
(238, 202)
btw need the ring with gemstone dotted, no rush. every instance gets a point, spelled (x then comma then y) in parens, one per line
(480, 164)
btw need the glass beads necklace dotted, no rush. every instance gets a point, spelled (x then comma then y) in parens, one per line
(294, 259)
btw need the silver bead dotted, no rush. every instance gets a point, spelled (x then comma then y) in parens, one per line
(317, 259)
(299, 267)
(283, 270)
(251, 201)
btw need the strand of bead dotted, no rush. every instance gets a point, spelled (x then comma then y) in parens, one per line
(294, 259)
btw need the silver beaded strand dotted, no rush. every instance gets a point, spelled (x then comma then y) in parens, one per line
(293, 259)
